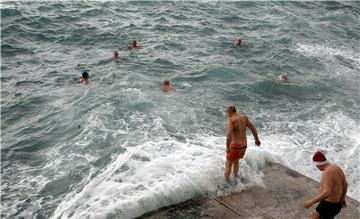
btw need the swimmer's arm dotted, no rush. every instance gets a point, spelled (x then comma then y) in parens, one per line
(254, 132)
(229, 131)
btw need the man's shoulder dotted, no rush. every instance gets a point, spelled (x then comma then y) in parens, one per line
(333, 170)
(334, 167)
(239, 119)
(337, 168)
(242, 117)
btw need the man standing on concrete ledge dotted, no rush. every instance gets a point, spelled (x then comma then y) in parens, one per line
(333, 188)
(236, 142)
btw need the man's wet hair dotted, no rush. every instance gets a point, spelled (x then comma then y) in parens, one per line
(166, 82)
(85, 75)
(134, 43)
(116, 54)
(231, 108)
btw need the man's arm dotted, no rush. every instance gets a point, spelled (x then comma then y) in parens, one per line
(229, 131)
(326, 184)
(253, 130)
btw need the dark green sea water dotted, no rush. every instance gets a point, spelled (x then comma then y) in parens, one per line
(120, 147)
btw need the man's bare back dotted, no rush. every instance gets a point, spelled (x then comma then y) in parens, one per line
(238, 123)
(236, 130)
(333, 177)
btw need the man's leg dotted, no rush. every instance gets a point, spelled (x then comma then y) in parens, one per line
(228, 166)
(236, 168)
(315, 215)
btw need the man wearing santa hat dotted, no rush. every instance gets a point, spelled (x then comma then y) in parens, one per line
(333, 187)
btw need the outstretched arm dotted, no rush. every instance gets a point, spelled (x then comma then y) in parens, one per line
(254, 132)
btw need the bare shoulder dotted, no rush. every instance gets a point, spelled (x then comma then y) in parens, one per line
(245, 119)
(330, 173)
(333, 171)
(327, 172)
(241, 115)
(336, 166)
(338, 169)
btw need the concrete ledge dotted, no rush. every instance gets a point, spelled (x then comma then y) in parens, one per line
(283, 196)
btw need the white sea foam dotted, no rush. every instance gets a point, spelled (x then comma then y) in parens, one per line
(327, 52)
(160, 173)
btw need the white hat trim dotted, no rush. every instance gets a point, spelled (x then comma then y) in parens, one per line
(319, 163)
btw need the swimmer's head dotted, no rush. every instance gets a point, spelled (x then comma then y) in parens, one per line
(166, 83)
(238, 42)
(116, 54)
(85, 75)
(231, 108)
(283, 77)
(134, 43)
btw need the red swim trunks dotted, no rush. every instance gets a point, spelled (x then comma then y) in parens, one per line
(236, 152)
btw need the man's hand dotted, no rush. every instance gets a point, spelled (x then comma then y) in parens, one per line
(308, 204)
(257, 142)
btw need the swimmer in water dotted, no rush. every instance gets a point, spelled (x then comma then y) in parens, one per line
(283, 77)
(167, 87)
(115, 55)
(134, 45)
(238, 43)
(85, 79)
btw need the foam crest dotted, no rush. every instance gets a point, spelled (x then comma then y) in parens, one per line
(160, 173)
(323, 51)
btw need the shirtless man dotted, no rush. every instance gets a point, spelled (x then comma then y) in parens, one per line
(236, 142)
(333, 188)
(134, 45)
(167, 87)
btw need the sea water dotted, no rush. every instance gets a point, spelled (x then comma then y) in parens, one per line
(121, 147)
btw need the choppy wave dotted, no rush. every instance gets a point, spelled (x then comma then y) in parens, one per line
(157, 174)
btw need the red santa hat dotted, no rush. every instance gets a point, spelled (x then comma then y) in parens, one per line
(319, 159)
